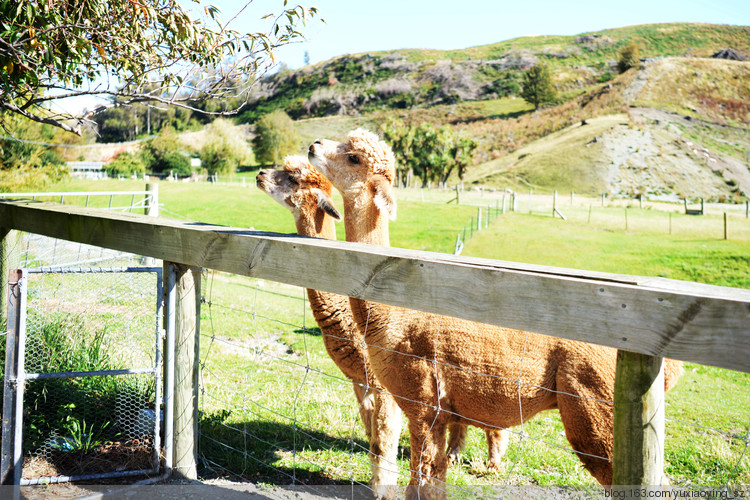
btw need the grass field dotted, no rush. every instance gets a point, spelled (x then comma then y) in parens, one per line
(276, 410)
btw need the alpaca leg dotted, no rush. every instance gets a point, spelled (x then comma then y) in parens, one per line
(386, 430)
(429, 460)
(589, 426)
(366, 400)
(456, 440)
(497, 443)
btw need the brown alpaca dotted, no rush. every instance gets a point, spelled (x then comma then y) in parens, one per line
(445, 370)
(307, 194)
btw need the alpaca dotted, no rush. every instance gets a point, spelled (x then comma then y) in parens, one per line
(307, 194)
(443, 370)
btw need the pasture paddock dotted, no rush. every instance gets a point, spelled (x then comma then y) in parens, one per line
(564, 302)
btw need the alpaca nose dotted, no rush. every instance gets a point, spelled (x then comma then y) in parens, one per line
(312, 146)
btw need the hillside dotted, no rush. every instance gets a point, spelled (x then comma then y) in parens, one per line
(685, 131)
(677, 126)
(421, 78)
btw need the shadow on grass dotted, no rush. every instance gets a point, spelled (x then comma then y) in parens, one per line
(271, 452)
(312, 331)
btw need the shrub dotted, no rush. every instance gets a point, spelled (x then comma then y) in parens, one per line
(629, 58)
(275, 138)
(164, 153)
(224, 150)
(126, 164)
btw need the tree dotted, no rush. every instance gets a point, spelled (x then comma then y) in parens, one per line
(537, 86)
(224, 149)
(144, 51)
(275, 138)
(430, 153)
(629, 58)
(400, 138)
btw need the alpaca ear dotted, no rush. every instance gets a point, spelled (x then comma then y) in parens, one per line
(326, 204)
(383, 196)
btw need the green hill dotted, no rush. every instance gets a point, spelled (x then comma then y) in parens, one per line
(420, 78)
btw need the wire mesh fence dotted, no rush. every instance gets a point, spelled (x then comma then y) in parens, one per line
(276, 410)
(91, 369)
(91, 375)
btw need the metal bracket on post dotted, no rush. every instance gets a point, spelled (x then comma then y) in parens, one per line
(11, 461)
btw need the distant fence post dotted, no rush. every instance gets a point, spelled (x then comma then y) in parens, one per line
(725, 225)
(185, 282)
(151, 200)
(479, 219)
(554, 203)
(638, 420)
(10, 255)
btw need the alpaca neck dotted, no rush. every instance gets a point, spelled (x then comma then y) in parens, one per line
(316, 225)
(331, 308)
(364, 223)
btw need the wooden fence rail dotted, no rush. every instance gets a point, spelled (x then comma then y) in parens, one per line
(650, 318)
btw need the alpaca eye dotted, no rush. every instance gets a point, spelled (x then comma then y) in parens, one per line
(354, 159)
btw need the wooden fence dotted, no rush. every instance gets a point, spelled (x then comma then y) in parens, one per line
(646, 319)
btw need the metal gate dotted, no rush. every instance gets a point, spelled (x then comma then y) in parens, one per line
(82, 396)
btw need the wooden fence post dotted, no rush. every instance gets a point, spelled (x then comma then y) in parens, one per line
(10, 256)
(151, 202)
(638, 420)
(187, 283)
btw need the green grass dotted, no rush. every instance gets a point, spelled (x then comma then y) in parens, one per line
(276, 409)
(691, 253)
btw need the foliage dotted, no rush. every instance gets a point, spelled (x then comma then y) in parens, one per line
(537, 86)
(62, 415)
(65, 45)
(629, 58)
(127, 123)
(429, 152)
(164, 154)
(126, 164)
(275, 138)
(224, 150)
(25, 162)
(83, 438)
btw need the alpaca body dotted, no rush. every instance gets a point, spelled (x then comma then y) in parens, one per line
(444, 370)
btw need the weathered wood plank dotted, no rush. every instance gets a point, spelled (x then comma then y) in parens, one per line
(659, 317)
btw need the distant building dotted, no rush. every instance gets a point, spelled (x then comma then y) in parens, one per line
(87, 169)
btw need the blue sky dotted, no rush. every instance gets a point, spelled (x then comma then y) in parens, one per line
(354, 26)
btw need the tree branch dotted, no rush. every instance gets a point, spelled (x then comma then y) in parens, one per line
(49, 121)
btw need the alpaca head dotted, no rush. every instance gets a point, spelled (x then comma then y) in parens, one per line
(303, 191)
(362, 168)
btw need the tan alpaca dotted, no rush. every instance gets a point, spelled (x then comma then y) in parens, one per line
(307, 194)
(444, 370)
